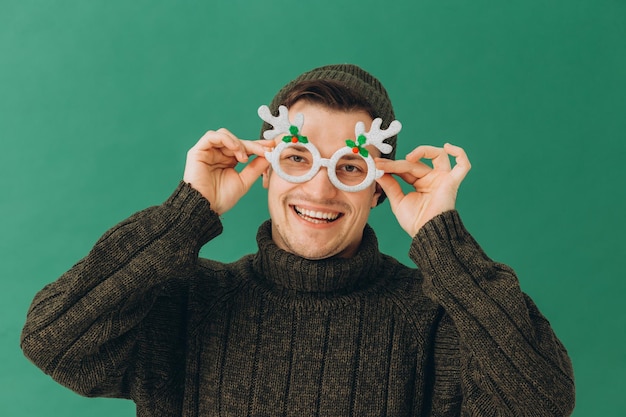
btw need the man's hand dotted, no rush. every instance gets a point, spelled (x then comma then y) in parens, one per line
(210, 167)
(435, 188)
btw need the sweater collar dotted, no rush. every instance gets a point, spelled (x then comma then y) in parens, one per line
(292, 272)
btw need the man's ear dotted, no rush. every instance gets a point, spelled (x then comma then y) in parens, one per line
(378, 192)
(266, 177)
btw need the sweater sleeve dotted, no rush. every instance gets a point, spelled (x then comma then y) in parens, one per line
(84, 328)
(511, 360)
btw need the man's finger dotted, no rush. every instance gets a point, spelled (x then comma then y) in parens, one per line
(463, 164)
(438, 156)
(215, 139)
(257, 147)
(417, 169)
(234, 144)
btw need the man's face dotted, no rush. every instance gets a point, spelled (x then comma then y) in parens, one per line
(314, 219)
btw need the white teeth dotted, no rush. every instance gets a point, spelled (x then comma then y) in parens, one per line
(316, 215)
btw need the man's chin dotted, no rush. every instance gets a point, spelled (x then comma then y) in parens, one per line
(316, 251)
(312, 243)
(312, 252)
(305, 248)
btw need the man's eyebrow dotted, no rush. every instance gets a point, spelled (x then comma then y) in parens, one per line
(299, 148)
(352, 157)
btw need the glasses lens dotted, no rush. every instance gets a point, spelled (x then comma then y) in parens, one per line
(351, 169)
(296, 160)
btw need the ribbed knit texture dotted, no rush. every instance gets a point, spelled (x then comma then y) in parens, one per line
(272, 334)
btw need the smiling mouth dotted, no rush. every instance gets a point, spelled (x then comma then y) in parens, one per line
(317, 217)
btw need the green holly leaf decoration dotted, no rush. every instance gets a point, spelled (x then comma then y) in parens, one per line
(295, 137)
(358, 147)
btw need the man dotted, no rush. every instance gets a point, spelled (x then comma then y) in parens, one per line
(318, 321)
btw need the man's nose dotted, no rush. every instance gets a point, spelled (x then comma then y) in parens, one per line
(320, 186)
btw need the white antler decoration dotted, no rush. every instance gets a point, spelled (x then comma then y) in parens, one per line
(280, 123)
(376, 135)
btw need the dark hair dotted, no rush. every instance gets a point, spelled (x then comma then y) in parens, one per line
(329, 93)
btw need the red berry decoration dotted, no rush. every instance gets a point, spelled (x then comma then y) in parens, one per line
(358, 146)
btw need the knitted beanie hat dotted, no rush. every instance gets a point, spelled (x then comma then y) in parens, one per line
(355, 79)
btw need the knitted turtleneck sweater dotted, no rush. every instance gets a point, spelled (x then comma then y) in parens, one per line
(273, 334)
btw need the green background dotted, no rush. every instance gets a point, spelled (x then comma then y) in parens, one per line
(100, 100)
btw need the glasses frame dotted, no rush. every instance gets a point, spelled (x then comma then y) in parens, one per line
(318, 162)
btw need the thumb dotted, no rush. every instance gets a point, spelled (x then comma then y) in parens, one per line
(392, 189)
(252, 171)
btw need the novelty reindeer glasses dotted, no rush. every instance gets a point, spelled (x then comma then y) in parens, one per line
(350, 168)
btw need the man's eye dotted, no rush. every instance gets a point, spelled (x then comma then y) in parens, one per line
(351, 169)
(296, 158)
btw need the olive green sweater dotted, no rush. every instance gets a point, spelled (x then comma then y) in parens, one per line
(273, 334)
